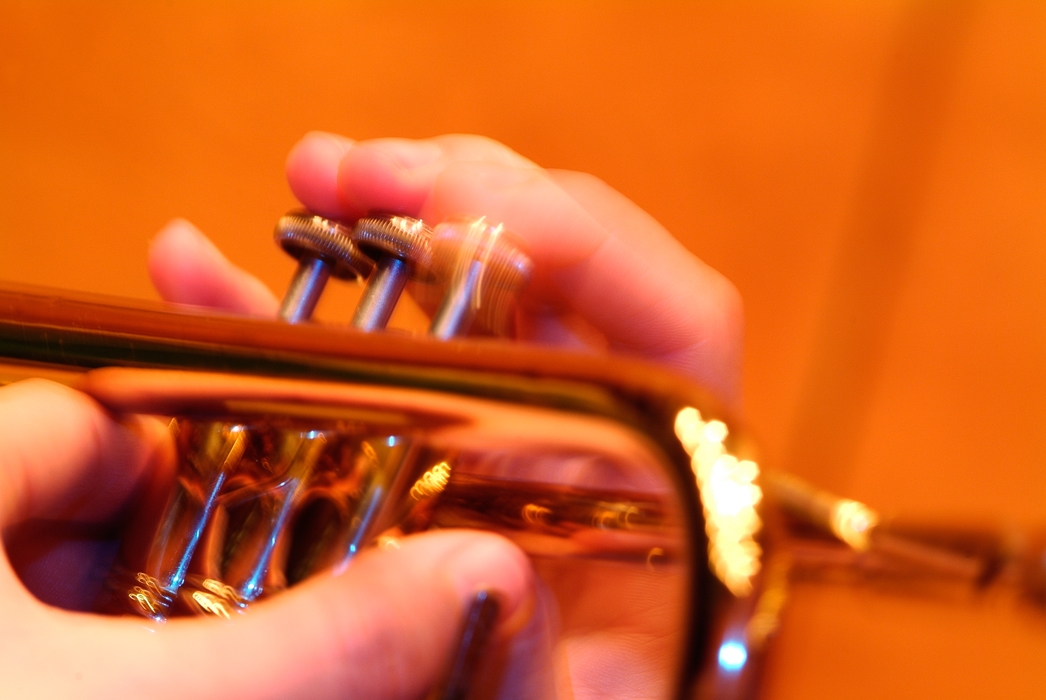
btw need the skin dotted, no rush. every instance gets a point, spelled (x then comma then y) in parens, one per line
(608, 277)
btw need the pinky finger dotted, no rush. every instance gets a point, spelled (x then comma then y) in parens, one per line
(186, 268)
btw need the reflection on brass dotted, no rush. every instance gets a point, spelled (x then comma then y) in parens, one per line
(221, 589)
(534, 514)
(388, 542)
(346, 502)
(297, 446)
(766, 618)
(293, 502)
(956, 561)
(729, 494)
(655, 556)
(431, 482)
(551, 519)
(614, 516)
(148, 596)
(249, 549)
(146, 601)
(484, 267)
(236, 489)
(213, 451)
(852, 522)
(316, 411)
(211, 604)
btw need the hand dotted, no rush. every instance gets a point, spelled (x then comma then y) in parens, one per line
(607, 274)
(68, 470)
(607, 277)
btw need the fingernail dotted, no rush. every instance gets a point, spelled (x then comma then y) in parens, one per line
(495, 565)
(320, 152)
(312, 170)
(331, 145)
(179, 229)
(408, 154)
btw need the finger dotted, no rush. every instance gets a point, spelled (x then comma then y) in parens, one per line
(62, 457)
(312, 171)
(525, 665)
(688, 314)
(599, 257)
(187, 268)
(62, 563)
(390, 175)
(605, 259)
(68, 470)
(383, 629)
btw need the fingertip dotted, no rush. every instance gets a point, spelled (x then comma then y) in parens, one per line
(491, 563)
(388, 175)
(187, 268)
(312, 171)
(88, 473)
(175, 244)
(398, 609)
(176, 233)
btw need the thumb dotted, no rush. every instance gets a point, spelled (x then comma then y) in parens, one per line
(385, 628)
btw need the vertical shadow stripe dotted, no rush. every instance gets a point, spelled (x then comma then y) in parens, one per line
(870, 266)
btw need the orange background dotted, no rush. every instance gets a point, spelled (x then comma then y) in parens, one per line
(870, 175)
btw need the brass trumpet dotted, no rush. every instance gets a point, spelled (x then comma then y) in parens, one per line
(637, 496)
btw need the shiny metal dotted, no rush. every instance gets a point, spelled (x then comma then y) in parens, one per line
(182, 524)
(401, 246)
(243, 556)
(304, 291)
(584, 494)
(590, 463)
(247, 565)
(529, 443)
(455, 314)
(323, 248)
(383, 291)
(819, 538)
(485, 268)
(924, 557)
(361, 500)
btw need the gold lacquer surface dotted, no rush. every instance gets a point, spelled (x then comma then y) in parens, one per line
(278, 481)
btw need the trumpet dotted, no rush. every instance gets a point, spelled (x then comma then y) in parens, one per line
(635, 494)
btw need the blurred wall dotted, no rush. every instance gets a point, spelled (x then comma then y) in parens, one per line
(870, 175)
